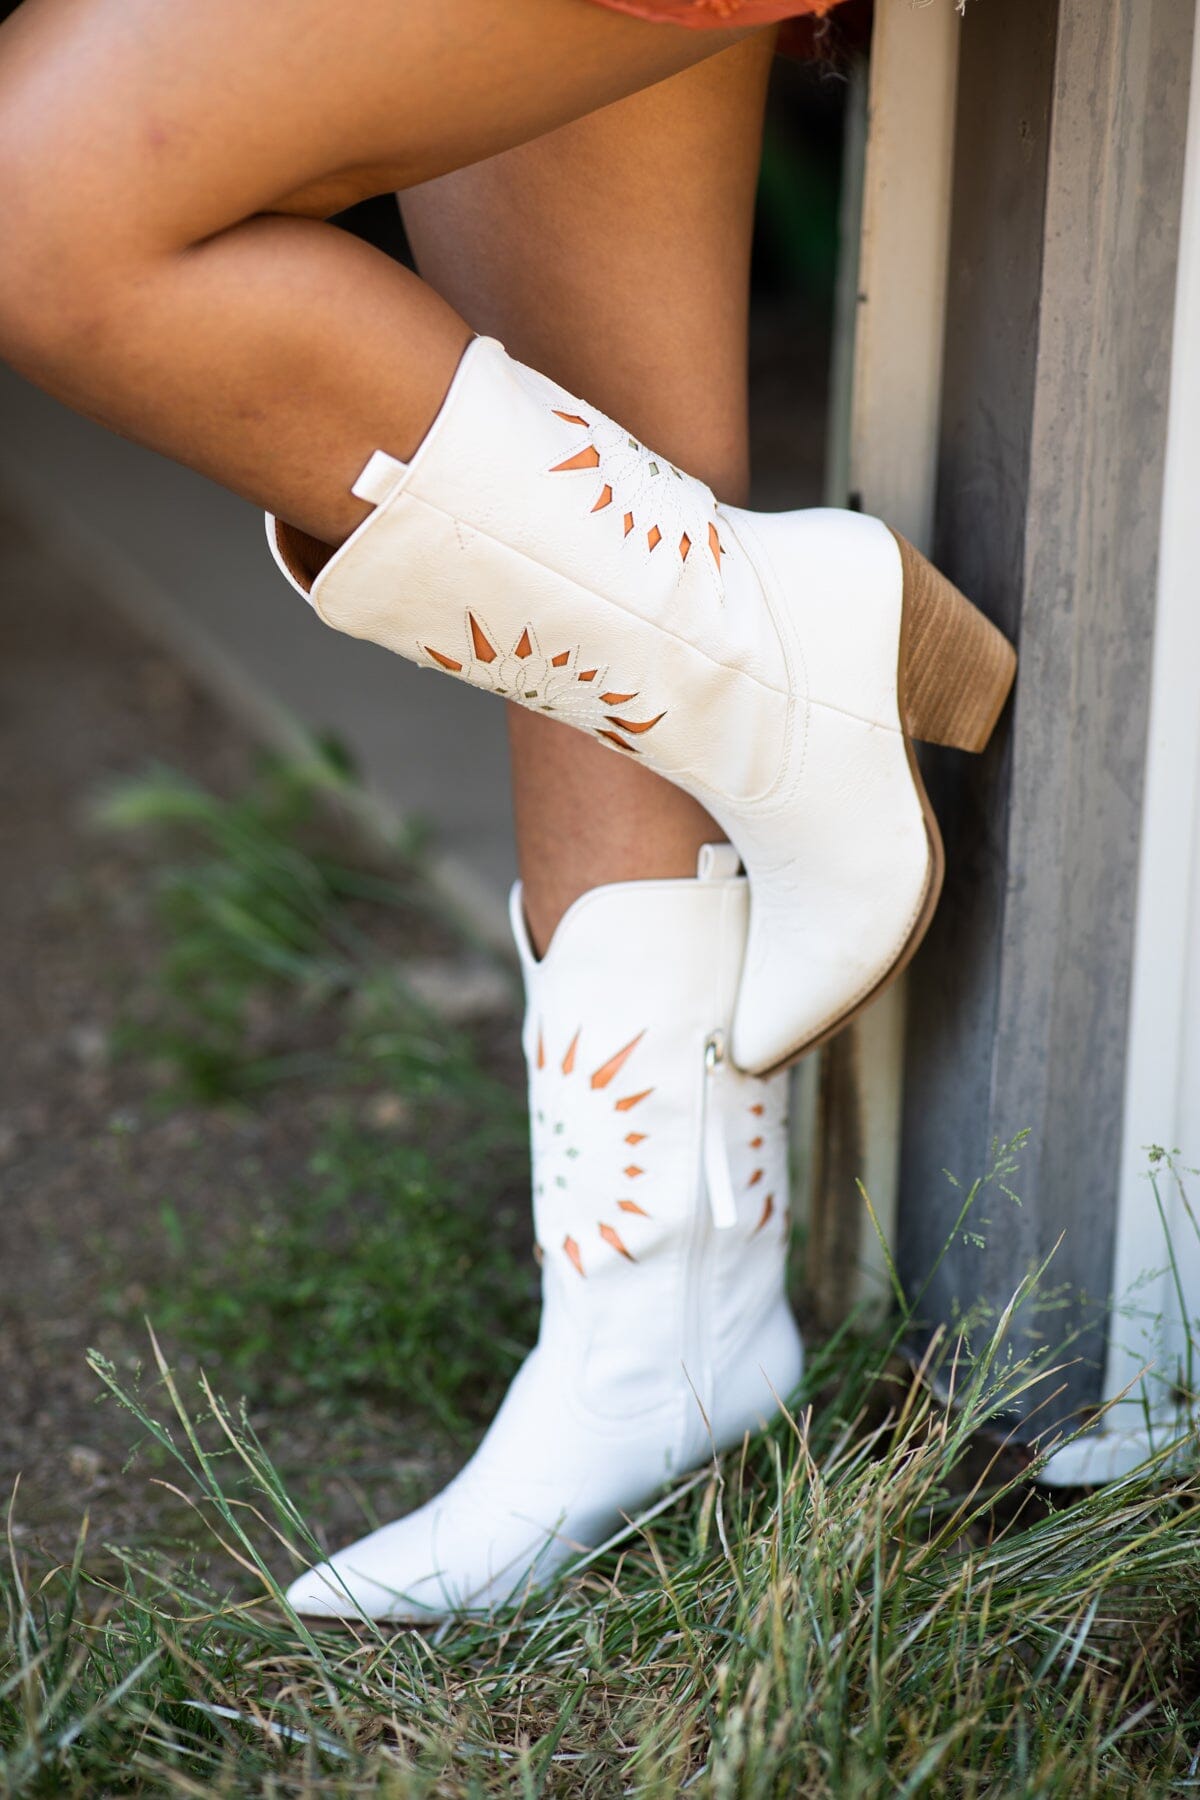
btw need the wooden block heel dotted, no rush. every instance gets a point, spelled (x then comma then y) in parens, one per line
(956, 669)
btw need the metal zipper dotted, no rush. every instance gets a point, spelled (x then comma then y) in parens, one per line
(717, 1177)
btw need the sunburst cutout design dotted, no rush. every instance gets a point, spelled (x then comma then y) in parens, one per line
(611, 442)
(566, 1080)
(613, 1238)
(550, 684)
(768, 1209)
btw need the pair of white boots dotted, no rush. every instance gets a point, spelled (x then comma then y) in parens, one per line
(775, 667)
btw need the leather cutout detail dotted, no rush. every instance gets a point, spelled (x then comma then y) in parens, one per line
(610, 1237)
(447, 662)
(588, 458)
(768, 1209)
(567, 1205)
(637, 725)
(676, 504)
(484, 651)
(756, 1143)
(550, 684)
(635, 1137)
(755, 1178)
(605, 1073)
(758, 1109)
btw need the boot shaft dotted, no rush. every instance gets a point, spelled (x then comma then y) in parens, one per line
(643, 1135)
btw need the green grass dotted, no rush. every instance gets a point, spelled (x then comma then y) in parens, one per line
(364, 1281)
(872, 1599)
(838, 1611)
(267, 894)
(361, 1281)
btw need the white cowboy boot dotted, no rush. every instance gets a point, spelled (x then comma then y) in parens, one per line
(660, 1203)
(773, 665)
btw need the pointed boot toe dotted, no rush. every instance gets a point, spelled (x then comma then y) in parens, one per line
(660, 1198)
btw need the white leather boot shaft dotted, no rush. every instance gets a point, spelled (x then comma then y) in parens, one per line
(664, 1333)
(534, 549)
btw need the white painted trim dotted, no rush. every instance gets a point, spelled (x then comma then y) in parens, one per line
(903, 253)
(1096, 1457)
(1162, 1091)
(893, 441)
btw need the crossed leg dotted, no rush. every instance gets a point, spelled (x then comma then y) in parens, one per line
(165, 172)
(614, 255)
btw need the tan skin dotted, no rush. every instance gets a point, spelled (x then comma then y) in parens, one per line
(565, 251)
(165, 268)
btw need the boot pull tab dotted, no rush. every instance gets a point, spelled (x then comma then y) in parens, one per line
(381, 475)
(717, 862)
(717, 1177)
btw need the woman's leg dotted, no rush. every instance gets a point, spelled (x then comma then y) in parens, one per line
(614, 255)
(155, 163)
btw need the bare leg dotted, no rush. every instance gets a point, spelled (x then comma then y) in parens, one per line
(141, 146)
(614, 255)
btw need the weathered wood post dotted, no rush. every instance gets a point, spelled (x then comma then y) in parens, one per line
(1068, 166)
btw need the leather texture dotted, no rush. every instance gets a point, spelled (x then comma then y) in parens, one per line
(536, 550)
(664, 1336)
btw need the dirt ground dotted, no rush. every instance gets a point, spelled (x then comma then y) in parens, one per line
(87, 1159)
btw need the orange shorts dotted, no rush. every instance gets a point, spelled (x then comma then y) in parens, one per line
(713, 14)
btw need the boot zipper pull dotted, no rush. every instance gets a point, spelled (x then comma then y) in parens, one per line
(717, 1178)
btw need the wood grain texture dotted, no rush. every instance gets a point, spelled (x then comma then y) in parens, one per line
(1070, 151)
